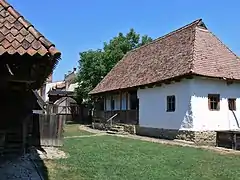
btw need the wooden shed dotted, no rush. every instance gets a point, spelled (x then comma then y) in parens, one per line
(27, 59)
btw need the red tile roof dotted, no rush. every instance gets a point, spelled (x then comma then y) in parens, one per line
(192, 49)
(19, 36)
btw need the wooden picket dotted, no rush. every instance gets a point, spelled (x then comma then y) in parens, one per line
(50, 129)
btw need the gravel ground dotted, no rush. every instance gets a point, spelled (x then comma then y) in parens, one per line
(18, 168)
(23, 167)
(48, 153)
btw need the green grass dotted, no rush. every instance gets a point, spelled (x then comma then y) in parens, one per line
(115, 158)
(73, 130)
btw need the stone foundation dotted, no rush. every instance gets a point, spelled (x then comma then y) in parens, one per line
(186, 135)
(156, 132)
(129, 128)
(99, 126)
(199, 137)
(205, 137)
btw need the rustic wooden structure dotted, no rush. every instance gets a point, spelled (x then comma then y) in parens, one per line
(63, 103)
(124, 108)
(27, 59)
(54, 95)
(46, 130)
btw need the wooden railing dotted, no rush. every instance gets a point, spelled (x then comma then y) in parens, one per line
(124, 116)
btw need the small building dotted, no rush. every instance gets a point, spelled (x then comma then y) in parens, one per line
(62, 98)
(183, 85)
(27, 59)
(68, 84)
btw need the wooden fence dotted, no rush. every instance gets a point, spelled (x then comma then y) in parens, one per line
(48, 130)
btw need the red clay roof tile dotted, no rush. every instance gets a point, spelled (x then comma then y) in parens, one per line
(17, 35)
(190, 49)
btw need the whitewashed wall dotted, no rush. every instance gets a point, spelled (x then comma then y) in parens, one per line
(153, 106)
(192, 111)
(204, 119)
(47, 87)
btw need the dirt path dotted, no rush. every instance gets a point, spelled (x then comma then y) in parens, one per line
(98, 134)
(163, 141)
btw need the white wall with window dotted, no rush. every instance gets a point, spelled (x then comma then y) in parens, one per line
(210, 104)
(166, 106)
(198, 104)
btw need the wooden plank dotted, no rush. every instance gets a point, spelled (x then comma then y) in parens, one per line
(50, 127)
(53, 129)
(60, 131)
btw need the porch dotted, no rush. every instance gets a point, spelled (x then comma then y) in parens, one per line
(122, 106)
(122, 116)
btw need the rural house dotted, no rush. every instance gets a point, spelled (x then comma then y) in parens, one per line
(27, 59)
(185, 84)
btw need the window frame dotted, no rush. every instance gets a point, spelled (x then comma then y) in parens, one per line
(217, 100)
(171, 103)
(232, 107)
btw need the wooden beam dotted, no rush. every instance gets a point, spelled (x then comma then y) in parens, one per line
(105, 102)
(177, 80)
(189, 77)
(150, 86)
(21, 81)
(168, 82)
(111, 102)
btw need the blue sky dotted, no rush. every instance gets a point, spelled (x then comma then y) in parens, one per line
(79, 25)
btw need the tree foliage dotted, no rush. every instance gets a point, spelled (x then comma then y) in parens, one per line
(95, 64)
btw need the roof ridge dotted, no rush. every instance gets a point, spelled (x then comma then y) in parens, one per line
(46, 43)
(197, 22)
(193, 53)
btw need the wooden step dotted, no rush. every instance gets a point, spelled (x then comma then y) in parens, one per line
(111, 132)
(117, 132)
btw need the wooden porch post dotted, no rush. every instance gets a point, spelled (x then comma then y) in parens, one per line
(127, 101)
(105, 102)
(111, 105)
(120, 100)
(120, 113)
(105, 106)
(126, 114)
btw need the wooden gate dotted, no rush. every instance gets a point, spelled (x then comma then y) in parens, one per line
(49, 130)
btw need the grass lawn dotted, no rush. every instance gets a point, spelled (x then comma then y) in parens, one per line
(115, 158)
(73, 130)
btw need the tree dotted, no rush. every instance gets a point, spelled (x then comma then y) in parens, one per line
(95, 64)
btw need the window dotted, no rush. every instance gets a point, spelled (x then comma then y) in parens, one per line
(171, 103)
(214, 102)
(232, 104)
